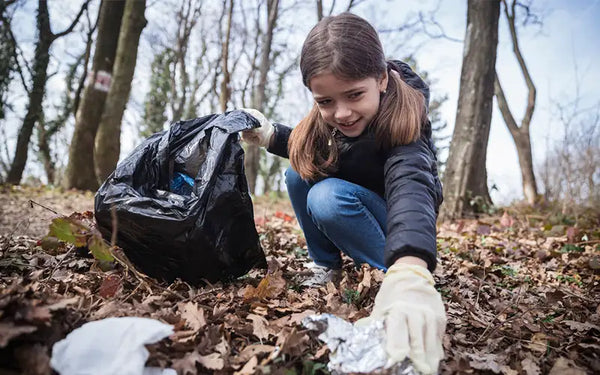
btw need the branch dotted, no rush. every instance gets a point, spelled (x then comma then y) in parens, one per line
(17, 52)
(504, 109)
(440, 34)
(74, 23)
(532, 91)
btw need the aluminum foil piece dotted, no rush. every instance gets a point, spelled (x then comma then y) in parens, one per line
(355, 349)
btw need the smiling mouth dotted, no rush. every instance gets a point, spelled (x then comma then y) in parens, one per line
(347, 124)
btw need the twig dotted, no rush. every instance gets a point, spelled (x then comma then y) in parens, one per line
(587, 242)
(132, 293)
(114, 221)
(32, 202)
(59, 264)
(483, 335)
(481, 281)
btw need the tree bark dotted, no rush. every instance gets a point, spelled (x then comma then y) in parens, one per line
(108, 139)
(252, 160)
(225, 93)
(465, 178)
(80, 168)
(520, 134)
(38, 87)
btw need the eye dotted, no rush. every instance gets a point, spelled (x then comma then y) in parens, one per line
(323, 102)
(356, 95)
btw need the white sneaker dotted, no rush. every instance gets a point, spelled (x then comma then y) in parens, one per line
(321, 275)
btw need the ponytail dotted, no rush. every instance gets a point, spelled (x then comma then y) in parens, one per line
(311, 147)
(401, 113)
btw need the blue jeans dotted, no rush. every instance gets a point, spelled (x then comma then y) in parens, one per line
(336, 215)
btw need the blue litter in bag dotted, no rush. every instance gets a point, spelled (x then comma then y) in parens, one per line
(182, 184)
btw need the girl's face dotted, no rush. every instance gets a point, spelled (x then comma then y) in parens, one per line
(347, 105)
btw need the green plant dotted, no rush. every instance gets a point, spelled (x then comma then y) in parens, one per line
(313, 368)
(506, 271)
(570, 248)
(350, 296)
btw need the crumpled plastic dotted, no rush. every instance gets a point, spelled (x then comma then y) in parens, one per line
(110, 346)
(355, 349)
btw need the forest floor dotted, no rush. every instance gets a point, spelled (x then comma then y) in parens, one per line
(521, 291)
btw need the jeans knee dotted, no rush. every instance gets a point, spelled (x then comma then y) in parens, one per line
(293, 179)
(326, 200)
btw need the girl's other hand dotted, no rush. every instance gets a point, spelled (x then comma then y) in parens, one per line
(414, 316)
(262, 135)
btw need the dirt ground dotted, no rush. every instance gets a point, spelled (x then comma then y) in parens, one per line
(27, 211)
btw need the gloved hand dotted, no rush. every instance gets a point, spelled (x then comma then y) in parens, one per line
(258, 136)
(414, 316)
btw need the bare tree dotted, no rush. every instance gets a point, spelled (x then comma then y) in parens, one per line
(187, 17)
(465, 178)
(570, 173)
(108, 139)
(520, 134)
(80, 168)
(225, 93)
(252, 161)
(49, 128)
(45, 38)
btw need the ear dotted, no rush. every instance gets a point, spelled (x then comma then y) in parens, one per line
(383, 82)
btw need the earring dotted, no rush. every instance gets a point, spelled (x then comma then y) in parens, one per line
(384, 92)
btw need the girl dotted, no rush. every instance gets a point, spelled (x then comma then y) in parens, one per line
(363, 178)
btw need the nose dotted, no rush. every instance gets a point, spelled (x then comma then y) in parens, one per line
(342, 113)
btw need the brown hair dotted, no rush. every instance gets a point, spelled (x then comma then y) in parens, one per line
(349, 47)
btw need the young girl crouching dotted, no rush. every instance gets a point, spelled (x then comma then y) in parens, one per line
(363, 179)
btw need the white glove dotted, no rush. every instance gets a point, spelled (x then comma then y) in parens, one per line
(258, 136)
(414, 316)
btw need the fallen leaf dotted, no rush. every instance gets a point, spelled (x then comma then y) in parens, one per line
(269, 287)
(484, 362)
(285, 217)
(249, 367)
(212, 361)
(9, 331)
(110, 286)
(507, 220)
(484, 229)
(253, 350)
(193, 315)
(581, 326)
(538, 343)
(260, 326)
(564, 366)
(36, 314)
(530, 367)
(63, 303)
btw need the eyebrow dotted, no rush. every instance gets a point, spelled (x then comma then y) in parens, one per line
(359, 88)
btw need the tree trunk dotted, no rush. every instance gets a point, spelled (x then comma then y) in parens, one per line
(520, 134)
(80, 168)
(252, 160)
(36, 95)
(465, 178)
(108, 139)
(225, 93)
(8, 62)
(44, 149)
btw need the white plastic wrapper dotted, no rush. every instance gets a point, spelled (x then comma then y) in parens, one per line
(110, 346)
(355, 349)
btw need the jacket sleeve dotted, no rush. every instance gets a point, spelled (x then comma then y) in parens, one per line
(279, 146)
(413, 195)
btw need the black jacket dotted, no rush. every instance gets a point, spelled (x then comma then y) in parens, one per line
(406, 177)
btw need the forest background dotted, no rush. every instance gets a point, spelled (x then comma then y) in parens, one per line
(515, 108)
(201, 57)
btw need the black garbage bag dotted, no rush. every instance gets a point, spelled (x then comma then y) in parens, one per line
(182, 202)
